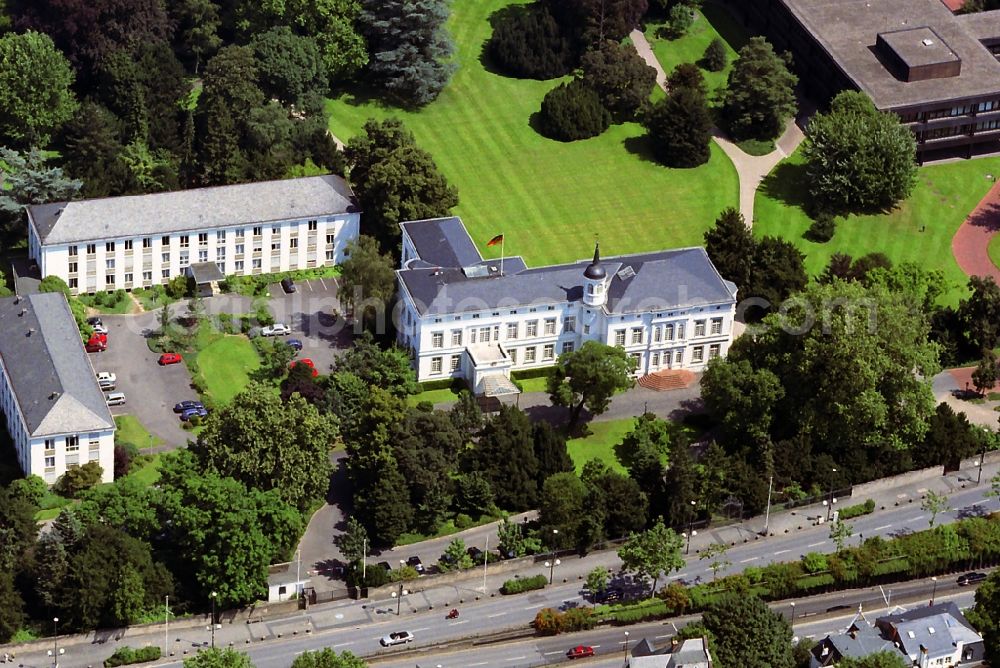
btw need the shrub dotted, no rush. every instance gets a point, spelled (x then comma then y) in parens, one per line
(814, 562)
(679, 20)
(528, 43)
(579, 619)
(53, 284)
(126, 655)
(714, 58)
(520, 585)
(679, 127)
(548, 622)
(123, 459)
(403, 573)
(858, 510)
(823, 228)
(180, 287)
(462, 521)
(573, 111)
(78, 479)
(620, 76)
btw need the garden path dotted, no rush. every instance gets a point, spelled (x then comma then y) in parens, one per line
(969, 245)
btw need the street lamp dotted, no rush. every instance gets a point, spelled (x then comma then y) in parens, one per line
(934, 590)
(213, 596)
(55, 642)
(626, 645)
(829, 508)
(551, 565)
(688, 535)
(690, 532)
(793, 617)
(399, 597)
(979, 477)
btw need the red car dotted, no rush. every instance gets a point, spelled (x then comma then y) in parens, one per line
(95, 346)
(308, 362)
(580, 652)
(169, 358)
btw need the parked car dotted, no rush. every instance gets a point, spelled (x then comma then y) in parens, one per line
(385, 566)
(971, 578)
(288, 285)
(580, 652)
(169, 358)
(193, 412)
(294, 344)
(277, 329)
(396, 638)
(416, 564)
(307, 362)
(609, 595)
(97, 343)
(94, 321)
(100, 329)
(475, 554)
(106, 380)
(187, 404)
(115, 398)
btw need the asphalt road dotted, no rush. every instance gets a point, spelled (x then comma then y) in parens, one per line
(357, 626)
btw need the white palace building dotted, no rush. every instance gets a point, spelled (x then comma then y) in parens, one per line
(463, 316)
(143, 240)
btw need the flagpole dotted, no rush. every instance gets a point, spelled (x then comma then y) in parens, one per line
(501, 253)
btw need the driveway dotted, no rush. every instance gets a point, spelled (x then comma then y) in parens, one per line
(150, 390)
(309, 311)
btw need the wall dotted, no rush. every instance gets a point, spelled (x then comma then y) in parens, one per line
(875, 486)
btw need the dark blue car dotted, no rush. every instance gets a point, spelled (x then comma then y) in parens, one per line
(193, 412)
(294, 344)
(187, 404)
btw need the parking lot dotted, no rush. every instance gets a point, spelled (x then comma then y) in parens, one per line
(150, 390)
(309, 311)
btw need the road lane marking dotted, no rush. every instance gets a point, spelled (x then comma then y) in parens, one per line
(423, 629)
(345, 644)
(464, 621)
(481, 663)
(555, 652)
(750, 559)
(532, 607)
(499, 614)
(781, 552)
(816, 544)
(322, 283)
(662, 637)
(887, 526)
(515, 658)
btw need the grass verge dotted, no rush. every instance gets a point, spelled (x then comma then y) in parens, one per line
(919, 230)
(225, 365)
(600, 443)
(446, 529)
(994, 250)
(548, 198)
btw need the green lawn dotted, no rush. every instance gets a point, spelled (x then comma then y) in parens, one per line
(225, 364)
(712, 21)
(550, 199)
(994, 250)
(149, 472)
(125, 305)
(446, 395)
(600, 443)
(919, 230)
(130, 430)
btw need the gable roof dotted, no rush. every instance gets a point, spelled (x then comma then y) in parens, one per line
(47, 367)
(195, 209)
(938, 628)
(661, 280)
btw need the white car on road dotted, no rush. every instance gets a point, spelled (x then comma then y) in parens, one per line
(396, 638)
(277, 329)
(106, 380)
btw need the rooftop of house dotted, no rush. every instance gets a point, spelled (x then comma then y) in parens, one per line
(188, 210)
(860, 640)
(48, 369)
(939, 629)
(848, 30)
(689, 653)
(657, 281)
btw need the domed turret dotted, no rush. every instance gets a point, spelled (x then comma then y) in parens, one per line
(594, 277)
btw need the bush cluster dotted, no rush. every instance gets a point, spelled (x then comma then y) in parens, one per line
(528, 43)
(858, 510)
(78, 479)
(550, 622)
(521, 585)
(573, 111)
(124, 656)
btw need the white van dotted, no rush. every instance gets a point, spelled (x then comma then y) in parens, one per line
(115, 398)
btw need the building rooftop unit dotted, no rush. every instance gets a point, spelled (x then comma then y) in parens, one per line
(946, 51)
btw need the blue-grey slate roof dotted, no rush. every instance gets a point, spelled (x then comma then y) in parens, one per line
(443, 242)
(51, 375)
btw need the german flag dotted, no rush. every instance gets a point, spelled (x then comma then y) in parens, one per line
(498, 239)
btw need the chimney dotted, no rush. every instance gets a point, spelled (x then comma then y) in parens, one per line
(54, 395)
(31, 330)
(22, 312)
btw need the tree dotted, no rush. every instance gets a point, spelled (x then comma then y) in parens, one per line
(620, 77)
(395, 180)
(219, 658)
(760, 93)
(387, 368)
(528, 43)
(27, 181)
(17, 528)
(715, 57)
(77, 479)
(743, 398)
(778, 270)
(679, 127)
(506, 458)
(680, 485)
(36, 95)
(573, 111)
(731, 247)
(11, 608)
(840, 531)
(748, 633)
(679, 20)
(643, 452)
(654, 551)
(367, 282)
(354, 541)
(560, 510)
(269, 444)
(385, 512)
(857, 157)
(933, 504)
(986, 616)
(593, 21)
(687, 75)
(980, 314)
(410, 47)
(466, 414)
(950, 439)
(328, 658)
(597, 580)
(986, 373)
(196, 34)
(716, 553)
(456, 556)
(289, 66)
(91, 149)
(589, 377)
(550, 451)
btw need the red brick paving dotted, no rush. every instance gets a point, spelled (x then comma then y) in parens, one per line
(970, 241)
(963, 377)
(953, 5)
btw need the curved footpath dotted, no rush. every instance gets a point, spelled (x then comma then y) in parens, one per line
(969, 245)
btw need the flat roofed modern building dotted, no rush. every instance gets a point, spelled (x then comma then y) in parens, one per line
(143, 240)
(463, 316)
(55, 411)
(937, 70)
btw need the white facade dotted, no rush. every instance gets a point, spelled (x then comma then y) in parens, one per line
(134, 262)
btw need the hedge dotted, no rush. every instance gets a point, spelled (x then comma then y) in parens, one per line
(850, 512)
(126, 655)
(525, 374)
(520, 585)
(456, 384)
